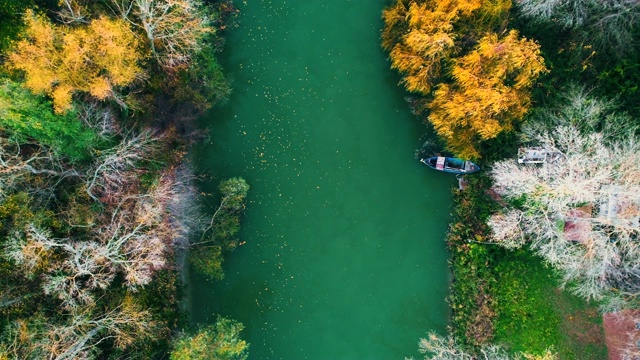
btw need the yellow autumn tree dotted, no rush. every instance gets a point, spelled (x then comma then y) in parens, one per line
(60, 60)
(490, 91)
(428, 41)
(394, 24)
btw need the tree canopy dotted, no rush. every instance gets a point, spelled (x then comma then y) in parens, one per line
(174, 28)
(477, 82)
(220, 234)
(220, 341)
(581, 209)
(60, 60)
(29, 116)
(489, 92)
(610, 25)
(446, 348)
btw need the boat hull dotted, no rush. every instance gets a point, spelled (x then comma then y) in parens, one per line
(450, 165)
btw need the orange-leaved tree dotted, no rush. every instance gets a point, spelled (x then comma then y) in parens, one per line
(449, 49)
(60, 60)
(428, 40)
(491, 90)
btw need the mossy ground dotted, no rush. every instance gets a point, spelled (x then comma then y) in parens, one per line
(533, 313)
(512, 298)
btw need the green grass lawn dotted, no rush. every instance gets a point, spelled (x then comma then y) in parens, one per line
(534, 314)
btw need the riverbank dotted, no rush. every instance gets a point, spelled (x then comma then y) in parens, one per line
(512, 298)
(95, 209)
(465, 90)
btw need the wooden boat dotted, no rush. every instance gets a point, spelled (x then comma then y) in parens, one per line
(450, 165)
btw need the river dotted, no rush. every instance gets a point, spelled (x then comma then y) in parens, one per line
(345, 255)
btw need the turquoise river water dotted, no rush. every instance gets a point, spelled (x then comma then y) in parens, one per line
(345, 255)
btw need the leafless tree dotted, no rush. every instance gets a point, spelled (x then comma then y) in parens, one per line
(132, 240)
(616, 26)
(138, 235)
(72, 12)
(78, 334)
(174, 28)
(445, 348)
(83, 268)
(605, 23)
(507, 230)
(16, 164)
(99, 118)
(580, 211)
(568, 13)
(114, 168)
(21, 340)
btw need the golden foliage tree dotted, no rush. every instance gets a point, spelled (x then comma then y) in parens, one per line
(429, 39)
(61, 60)
(394, 24)
(489, 92)
(450, 49)
(421, 35)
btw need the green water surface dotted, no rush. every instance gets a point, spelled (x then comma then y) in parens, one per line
(345, 255)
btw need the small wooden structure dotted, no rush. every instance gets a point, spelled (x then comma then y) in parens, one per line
(537, 155)
(618, 208)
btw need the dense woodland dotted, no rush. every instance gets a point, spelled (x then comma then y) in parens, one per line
(98, 101)
(491, 77)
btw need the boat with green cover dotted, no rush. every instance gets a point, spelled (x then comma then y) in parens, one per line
(450, 165)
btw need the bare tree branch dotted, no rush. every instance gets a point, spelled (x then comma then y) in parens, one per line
(113, 169)
(71, 12)
(16, 164)
(581, 212)
(174, 28)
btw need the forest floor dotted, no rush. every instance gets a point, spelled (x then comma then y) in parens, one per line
(617, 328)
(582, 326)
(535, 314)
